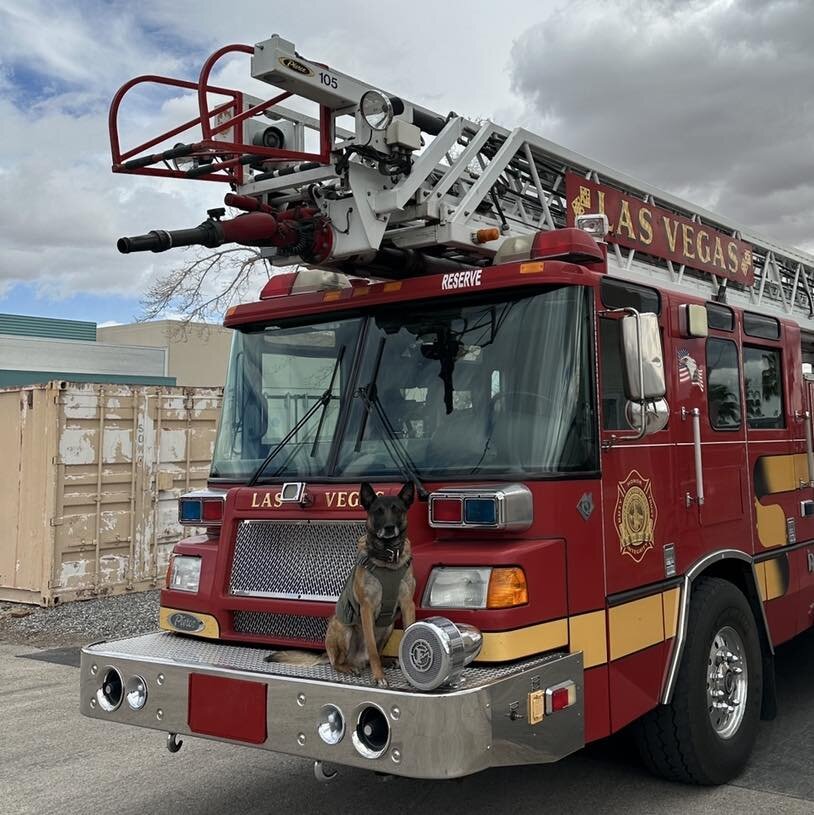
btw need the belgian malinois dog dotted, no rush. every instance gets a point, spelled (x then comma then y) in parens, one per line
(381, 583)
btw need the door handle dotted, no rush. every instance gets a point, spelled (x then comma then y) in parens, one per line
(695, 415)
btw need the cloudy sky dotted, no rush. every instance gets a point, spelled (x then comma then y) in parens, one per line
(709, 99)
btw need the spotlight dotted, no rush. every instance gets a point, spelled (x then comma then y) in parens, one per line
(331, 725)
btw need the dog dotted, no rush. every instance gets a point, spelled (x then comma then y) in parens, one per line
(381, 583)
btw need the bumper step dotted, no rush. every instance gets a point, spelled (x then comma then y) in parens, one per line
(446, 733)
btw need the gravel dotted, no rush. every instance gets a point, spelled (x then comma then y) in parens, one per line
(81, 621)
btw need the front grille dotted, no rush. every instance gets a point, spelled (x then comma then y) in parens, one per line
(282, 626)
(294, 560)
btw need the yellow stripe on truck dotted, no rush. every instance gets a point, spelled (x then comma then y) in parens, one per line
(635, 625)
(503, 646)
(588, 633)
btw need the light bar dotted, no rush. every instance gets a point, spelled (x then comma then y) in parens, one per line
(505, 507)
(201, 508)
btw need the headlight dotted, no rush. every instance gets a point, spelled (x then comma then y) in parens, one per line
(185, 573)
(476, 587)
(376, 110)
(452, 587)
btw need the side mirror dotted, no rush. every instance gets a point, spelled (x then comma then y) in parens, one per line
(641, 346)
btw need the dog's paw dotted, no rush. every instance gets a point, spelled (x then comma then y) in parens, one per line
(382, 682)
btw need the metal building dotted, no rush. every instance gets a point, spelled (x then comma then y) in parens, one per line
(197, 353)
(39, 349)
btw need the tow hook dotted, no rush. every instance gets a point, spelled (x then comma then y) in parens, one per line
(321, 774)
(174, 744)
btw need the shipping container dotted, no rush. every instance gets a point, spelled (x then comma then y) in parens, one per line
(91, 475)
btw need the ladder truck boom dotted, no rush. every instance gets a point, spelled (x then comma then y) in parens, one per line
(409, 181)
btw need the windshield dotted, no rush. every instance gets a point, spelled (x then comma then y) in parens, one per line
(497, 389)
(275, 375)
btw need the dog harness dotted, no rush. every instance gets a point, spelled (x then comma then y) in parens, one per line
(347, 607)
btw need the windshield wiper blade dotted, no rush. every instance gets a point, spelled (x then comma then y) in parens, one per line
(322, 402)
(370, 392)
(398, 452)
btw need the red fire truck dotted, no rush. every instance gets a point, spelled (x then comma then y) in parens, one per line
(597, 388)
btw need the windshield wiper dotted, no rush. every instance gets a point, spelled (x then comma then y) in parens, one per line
(398, 453)
(322, 402)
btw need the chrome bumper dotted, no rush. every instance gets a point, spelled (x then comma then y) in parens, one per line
(484, 722)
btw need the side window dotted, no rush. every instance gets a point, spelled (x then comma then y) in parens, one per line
(762, 375)
(723, 393)
(613, 389)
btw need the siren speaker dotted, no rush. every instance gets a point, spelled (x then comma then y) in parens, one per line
(435, 651)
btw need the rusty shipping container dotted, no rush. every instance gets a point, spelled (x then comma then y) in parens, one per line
(91, 474)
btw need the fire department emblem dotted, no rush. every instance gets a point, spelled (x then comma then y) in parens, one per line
(635, 516)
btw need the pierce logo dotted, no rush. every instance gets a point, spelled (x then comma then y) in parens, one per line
(296, 66)
(185, 622)
(421, 655)
(635, 516)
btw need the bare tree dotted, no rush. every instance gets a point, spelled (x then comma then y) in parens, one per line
(203, 286)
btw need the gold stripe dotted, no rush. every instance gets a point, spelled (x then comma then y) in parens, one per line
(394, 286)
(635, 625)
(532, 268)
(783, 473)
(669, 603)
(502, 646)
(775, 579)
(588, 634)
(331, 295)
(771, 525)
(210, 629)
(760, 575)
(360, 291)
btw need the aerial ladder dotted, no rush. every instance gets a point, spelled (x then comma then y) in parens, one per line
(375, 185)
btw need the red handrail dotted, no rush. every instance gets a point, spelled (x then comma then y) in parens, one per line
(231, 153)
(325, 117)
(113, 113)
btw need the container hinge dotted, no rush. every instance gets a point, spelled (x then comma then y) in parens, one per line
(57, 460)
(56, 521)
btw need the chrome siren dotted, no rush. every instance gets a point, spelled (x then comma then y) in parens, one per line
(435, 651)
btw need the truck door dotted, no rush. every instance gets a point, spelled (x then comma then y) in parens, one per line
(775, 429)
(807, 518)
(637, 475)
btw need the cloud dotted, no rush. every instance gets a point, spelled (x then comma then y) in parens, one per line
(709, 100)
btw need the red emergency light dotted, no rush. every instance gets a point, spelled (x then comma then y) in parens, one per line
(571, 244)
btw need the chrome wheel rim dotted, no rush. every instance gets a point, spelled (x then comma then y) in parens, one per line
(727, 682)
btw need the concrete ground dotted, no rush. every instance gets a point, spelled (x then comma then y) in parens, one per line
(52, 760)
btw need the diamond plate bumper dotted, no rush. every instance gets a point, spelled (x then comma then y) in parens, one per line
(444, 734)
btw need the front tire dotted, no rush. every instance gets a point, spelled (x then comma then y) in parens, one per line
(706, 734)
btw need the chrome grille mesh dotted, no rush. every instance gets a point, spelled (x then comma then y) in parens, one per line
(283, 626)
(298, 560)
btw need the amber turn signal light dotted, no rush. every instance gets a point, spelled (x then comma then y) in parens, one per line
(507, 588)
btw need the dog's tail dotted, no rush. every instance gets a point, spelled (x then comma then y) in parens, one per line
(292, 656)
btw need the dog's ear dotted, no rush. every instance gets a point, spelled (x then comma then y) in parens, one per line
(407, 493)
(367, 495)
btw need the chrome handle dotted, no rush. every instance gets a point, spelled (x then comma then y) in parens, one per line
(699, 466)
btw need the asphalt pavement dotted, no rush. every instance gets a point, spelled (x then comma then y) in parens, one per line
(52, 760)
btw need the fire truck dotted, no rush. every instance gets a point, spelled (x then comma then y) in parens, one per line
(597, 388)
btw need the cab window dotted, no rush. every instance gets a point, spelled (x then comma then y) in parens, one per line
(723, 387)
(762, 376)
